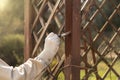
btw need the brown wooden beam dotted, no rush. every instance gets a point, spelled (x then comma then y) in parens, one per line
(72, 41)
(28, 17)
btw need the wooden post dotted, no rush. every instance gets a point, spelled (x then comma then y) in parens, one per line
(72, 41)
(28, 17)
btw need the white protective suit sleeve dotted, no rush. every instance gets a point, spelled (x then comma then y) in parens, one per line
(32, 68)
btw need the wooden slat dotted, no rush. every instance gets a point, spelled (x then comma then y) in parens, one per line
(94, 15)
(39, 13)
(55, 17)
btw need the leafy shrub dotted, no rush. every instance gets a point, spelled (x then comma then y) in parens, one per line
(11, 49)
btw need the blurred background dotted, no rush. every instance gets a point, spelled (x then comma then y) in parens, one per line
(11, 31)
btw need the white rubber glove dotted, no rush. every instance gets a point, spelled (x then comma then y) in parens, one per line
(51, 47)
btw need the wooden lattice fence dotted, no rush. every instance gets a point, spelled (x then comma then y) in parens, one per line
(99, 36)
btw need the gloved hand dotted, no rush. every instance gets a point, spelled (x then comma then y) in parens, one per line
(51, 47)
(52, 42)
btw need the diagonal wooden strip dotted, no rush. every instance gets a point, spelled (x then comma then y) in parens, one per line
(104, 26)
(35, 36)
(108, 70)
(40, 18)
(106, 62)
(58, 66)
(55, 17)
(85, 9)
(61, 28)
(93, 16)
(39, 13)
(110, 42)
(105, 16)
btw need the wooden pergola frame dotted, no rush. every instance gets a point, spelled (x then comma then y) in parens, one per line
(82, 39)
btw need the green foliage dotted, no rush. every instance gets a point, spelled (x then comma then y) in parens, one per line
(11, 49)
(11, 32)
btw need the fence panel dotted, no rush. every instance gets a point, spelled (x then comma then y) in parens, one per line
(99, 36)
